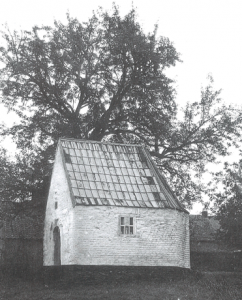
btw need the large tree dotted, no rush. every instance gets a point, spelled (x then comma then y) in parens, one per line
(106, 79)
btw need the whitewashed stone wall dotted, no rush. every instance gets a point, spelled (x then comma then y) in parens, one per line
(161, 238)
(62, 216)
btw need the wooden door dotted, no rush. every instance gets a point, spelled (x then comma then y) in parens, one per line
(57, 246)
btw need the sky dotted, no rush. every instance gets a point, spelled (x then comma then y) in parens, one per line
(207, 34)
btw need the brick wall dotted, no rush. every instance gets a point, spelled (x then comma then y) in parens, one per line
(161, 237)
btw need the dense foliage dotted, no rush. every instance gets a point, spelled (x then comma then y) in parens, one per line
(106, 80)
(228, 204)
(18, 186)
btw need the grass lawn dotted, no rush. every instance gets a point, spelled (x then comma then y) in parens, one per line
(227, 286)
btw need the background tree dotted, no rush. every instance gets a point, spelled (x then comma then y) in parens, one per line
(105, 80)
(18, 186)
(228, 204)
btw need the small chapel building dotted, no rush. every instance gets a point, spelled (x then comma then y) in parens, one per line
(109, 204)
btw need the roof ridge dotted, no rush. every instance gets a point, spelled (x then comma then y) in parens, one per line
(100, 142)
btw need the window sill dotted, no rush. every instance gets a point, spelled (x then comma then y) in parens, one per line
(128, 235)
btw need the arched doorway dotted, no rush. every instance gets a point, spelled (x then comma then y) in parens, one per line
(57, 246)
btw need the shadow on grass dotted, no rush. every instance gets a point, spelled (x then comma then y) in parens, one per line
(93, 275)
(121, 283)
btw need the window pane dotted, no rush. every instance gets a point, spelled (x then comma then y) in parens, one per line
(122, 229)
(131, 230)
(126, 229)
(131, 221)
(122, 220)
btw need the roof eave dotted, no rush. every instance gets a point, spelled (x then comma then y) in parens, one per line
(164, 182)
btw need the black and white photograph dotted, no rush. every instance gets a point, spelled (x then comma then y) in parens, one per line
(120, 150)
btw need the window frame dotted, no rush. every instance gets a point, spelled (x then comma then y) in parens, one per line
(125, 222)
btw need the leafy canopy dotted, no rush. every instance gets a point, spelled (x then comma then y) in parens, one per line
(106, 79)
(18, 185)
(228, 204)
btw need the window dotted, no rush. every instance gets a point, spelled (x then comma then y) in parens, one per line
(127, 225)
(56, 205)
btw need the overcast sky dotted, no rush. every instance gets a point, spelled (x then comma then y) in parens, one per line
(206, 33)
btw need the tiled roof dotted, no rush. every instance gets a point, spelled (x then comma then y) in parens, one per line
(115, 174)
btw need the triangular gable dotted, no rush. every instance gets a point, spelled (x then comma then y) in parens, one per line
(114, 174)
(60, 171)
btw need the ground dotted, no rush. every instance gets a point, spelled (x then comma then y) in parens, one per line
(192, 286)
